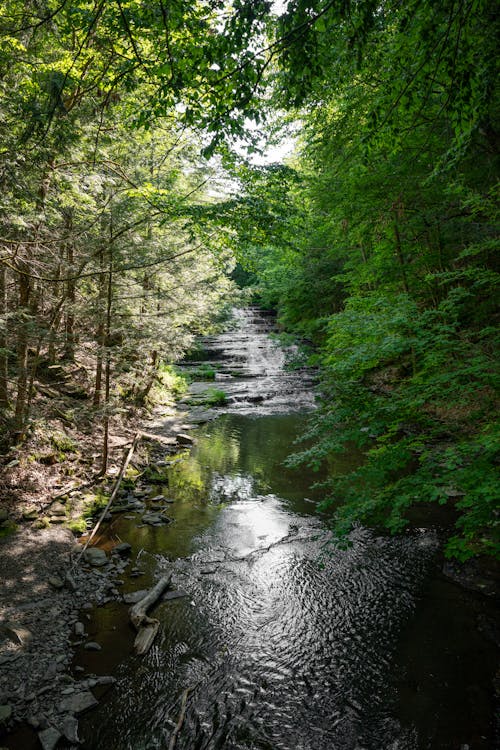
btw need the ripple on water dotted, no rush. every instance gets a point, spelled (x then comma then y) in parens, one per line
(287, 641)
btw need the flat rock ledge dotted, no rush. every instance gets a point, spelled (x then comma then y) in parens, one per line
(40, 615)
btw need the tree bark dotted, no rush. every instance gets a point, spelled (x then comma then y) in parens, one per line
(20, 415)
(4, 360)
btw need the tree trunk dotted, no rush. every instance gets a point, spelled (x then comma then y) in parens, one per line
(107, 355)
(69, 345)
(100, 332)
(20, 415)
(144, 393)
(4, 360)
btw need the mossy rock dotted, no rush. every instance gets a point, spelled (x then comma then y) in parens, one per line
(77, 526)
(30, 515)
(42, 523)
(8, 528)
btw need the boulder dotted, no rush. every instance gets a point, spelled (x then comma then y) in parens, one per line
(95, 556)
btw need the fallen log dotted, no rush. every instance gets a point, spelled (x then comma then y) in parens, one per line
(147, 627)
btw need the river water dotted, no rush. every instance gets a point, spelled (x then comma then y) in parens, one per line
(285, 641)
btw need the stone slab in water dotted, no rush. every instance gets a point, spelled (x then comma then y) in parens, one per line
(77, 704)
(49, 738)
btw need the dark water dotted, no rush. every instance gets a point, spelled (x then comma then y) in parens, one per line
(287, 642)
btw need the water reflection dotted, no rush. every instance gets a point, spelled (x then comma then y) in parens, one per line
(286, 642)
(239, 456)
(286, 646)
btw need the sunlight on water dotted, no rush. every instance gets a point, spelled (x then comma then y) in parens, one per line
(286, 641)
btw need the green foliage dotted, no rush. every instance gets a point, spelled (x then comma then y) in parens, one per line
(202, 372)
(215, 397)
(172, 380)
(380, 251)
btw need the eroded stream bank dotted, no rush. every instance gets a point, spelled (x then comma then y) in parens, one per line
(285, 641)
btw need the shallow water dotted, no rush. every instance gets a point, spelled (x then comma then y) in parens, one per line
(286, 642)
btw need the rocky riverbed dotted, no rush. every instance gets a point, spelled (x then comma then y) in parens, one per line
(47, 590)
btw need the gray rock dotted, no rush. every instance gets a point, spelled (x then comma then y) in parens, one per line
(3, 515)
(79, 628)
(95, 557)
(5, 713)
(105, 679)
(58, 509)
(51, 671)
(19, 634)
(155, 519)
(70, 729)
(56, 582)
(30, 515)
(49, 738)
(92, 646)
(76, 704)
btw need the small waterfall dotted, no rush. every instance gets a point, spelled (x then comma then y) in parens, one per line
(252, 368)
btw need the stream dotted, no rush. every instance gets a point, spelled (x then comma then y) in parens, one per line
(285, 641)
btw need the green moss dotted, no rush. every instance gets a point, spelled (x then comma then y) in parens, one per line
(77, 526)
(63, 444)
(94, 503)
(130, 476)
(202, 372)
(8, 528)
(42, 523)
(156, 474)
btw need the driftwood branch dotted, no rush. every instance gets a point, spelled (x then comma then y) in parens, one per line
(182, 716)
(147, 627)
(125, 463)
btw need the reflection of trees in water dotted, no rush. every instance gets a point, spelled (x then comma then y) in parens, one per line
(241, 447)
